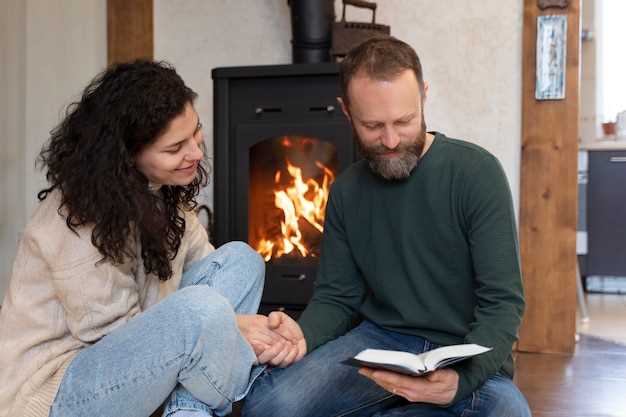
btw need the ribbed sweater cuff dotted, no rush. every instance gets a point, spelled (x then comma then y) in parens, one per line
(39, 403)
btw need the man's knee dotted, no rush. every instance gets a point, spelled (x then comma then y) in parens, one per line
(504, 399)
(276, 394)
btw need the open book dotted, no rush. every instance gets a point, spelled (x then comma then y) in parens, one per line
(412, 364)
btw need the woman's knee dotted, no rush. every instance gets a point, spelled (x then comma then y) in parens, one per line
(202, 305)
(248, 259)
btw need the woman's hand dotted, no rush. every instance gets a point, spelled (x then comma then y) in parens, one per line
(269, 345)
(255, 329)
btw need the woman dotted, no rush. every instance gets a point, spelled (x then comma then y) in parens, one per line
(117, 301)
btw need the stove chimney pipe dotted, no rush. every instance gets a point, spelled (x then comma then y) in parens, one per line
(311, 28)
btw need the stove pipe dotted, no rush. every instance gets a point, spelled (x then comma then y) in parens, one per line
(311, 28)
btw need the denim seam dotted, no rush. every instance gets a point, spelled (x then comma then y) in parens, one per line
(111, 388)
(211, 382)
(362, 406)
(426, 345)
(251, 381)
(178, 405)
(474, 404)
(202, 276)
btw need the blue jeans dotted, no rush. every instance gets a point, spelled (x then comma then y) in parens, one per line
(185, 350)
(320, 386)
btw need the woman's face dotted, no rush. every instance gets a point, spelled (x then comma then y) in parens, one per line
(173, 158)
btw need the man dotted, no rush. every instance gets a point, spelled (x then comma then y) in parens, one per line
(420, 242)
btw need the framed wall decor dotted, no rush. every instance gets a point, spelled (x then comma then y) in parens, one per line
(551, 55)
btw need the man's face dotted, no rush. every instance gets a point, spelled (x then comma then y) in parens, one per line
(388, 121)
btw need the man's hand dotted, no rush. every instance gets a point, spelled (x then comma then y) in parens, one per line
(438, 387)
(285, 326)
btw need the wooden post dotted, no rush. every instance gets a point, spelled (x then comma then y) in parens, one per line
(548, 206)
(130, 30)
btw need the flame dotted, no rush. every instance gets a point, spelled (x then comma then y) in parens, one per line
(299, 200)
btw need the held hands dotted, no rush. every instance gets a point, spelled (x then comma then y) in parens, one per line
(285, 326)
(267, 344)
(438, 387)
(277, 340)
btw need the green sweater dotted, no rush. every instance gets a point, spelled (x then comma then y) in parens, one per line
(435, 256)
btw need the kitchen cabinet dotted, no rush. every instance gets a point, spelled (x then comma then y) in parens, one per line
(605, 217)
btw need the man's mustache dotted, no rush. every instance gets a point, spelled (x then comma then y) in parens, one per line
(383, 150)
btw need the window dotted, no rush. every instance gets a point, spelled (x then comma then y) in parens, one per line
(611, 28)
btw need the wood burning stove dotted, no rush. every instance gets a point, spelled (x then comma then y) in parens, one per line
(280, 140)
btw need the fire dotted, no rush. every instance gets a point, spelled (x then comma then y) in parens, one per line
(299, 201)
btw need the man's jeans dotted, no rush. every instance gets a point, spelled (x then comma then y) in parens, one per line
(320, 386)
(186, 347)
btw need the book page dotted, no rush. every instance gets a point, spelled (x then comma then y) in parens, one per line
(447, 355)
(393, 359)
(412, 364)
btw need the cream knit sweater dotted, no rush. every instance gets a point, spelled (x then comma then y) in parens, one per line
(61, 300)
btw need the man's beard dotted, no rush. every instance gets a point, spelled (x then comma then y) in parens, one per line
(398, 167)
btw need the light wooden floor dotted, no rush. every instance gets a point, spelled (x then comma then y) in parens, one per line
(607, 317)
(590, 383)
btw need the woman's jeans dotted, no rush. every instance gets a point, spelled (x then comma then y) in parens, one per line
(321, 386)
(186, 349)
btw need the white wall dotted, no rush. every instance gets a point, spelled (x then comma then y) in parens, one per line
(470, 50)
(198, 35)
(65, 49)
(12, 105)
(588, 118)
(50, 50)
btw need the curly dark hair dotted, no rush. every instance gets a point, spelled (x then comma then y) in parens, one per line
(90, 160)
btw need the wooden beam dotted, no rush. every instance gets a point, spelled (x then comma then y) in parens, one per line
(130, 30)
(548, 206)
